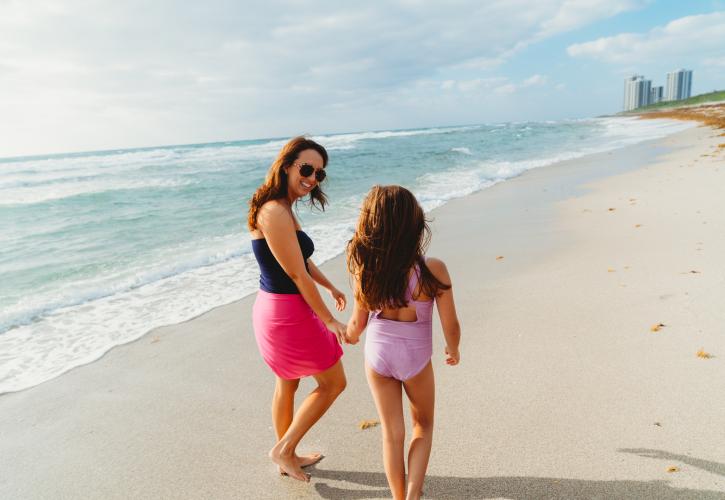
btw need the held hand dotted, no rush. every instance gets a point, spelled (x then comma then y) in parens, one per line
(351, 339)
(452, 356)
(339, 329)
(339, 298)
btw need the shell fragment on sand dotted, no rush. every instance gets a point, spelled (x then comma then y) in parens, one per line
(704, 355)
(366, 424)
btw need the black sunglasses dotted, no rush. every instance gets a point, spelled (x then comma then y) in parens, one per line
(306, 170)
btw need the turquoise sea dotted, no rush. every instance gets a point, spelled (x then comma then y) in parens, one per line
(98, 248)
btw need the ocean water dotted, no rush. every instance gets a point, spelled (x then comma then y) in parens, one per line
(98, 248)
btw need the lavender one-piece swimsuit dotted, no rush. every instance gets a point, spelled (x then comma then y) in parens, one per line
(401, 349)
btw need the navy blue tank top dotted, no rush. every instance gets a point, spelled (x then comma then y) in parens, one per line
(272, 277)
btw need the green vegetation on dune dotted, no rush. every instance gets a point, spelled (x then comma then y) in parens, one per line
(717, 95)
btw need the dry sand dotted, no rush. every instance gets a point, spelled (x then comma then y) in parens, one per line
(563, 391)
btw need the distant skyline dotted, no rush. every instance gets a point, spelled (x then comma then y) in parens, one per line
(78, 76)
(641, 91)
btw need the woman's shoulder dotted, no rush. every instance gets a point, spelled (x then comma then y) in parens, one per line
(273, 205)
(275, 208)
(274, 212)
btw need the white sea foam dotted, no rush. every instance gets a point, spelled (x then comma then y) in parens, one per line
(167, 264)
(57, 191)
(435, 189)
(345, 141)
(77, 335)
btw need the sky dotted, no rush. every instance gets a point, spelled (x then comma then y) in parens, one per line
(80, 75)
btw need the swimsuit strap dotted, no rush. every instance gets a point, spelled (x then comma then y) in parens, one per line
(413, 282)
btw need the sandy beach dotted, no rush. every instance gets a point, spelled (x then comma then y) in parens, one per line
(585, 292)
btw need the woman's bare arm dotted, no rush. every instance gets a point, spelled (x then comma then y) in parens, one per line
(278, 227)
(321, 279)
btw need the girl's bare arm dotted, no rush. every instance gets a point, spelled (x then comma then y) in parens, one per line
(357, 322)
(447, 311)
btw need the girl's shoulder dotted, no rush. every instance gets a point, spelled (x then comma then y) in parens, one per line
(437, 267)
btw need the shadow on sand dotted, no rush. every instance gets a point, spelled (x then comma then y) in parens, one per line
(705, 465)
(376, 485)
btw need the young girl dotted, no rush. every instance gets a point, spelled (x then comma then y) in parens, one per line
(395, 288)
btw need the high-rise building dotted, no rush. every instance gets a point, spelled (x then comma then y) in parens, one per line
(636, 92)
(655, 94)
(679, 85)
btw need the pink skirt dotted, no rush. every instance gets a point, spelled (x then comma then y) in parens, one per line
(291, 338)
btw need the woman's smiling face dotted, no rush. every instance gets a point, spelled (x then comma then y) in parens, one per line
(298, 186)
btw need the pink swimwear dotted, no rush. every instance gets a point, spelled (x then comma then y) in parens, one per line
(401, 349)
(291, 338)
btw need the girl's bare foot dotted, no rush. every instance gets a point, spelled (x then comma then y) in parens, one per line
(288, 464)
(305, 460)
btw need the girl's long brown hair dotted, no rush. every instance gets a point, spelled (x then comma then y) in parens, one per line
(391, 237)
(275, 184)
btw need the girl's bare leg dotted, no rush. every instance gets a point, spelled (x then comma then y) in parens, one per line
(330, 384)
(387, 393)
(283, 405)
(421, 392)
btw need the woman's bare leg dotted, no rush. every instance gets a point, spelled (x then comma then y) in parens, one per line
(387, 393)
(283, 406)
(330, 384)
(421, 392)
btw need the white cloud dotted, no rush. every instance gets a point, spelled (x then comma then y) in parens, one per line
(113, 74)
(508, 88)
(698, 37)
(500, 85)
(715, 61)
(573, 14)
(534, 80)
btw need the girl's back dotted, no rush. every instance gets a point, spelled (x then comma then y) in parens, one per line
(399, 342)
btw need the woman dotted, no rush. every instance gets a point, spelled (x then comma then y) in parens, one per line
(296, 333)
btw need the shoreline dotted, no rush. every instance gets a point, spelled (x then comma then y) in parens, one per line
(553, 398)
(139, 332)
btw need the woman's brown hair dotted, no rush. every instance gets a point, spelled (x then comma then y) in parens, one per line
(391, 237)
(275, 184)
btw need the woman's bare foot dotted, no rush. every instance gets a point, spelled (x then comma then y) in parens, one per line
(305, 460)
(288, 463)
(309, 459)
